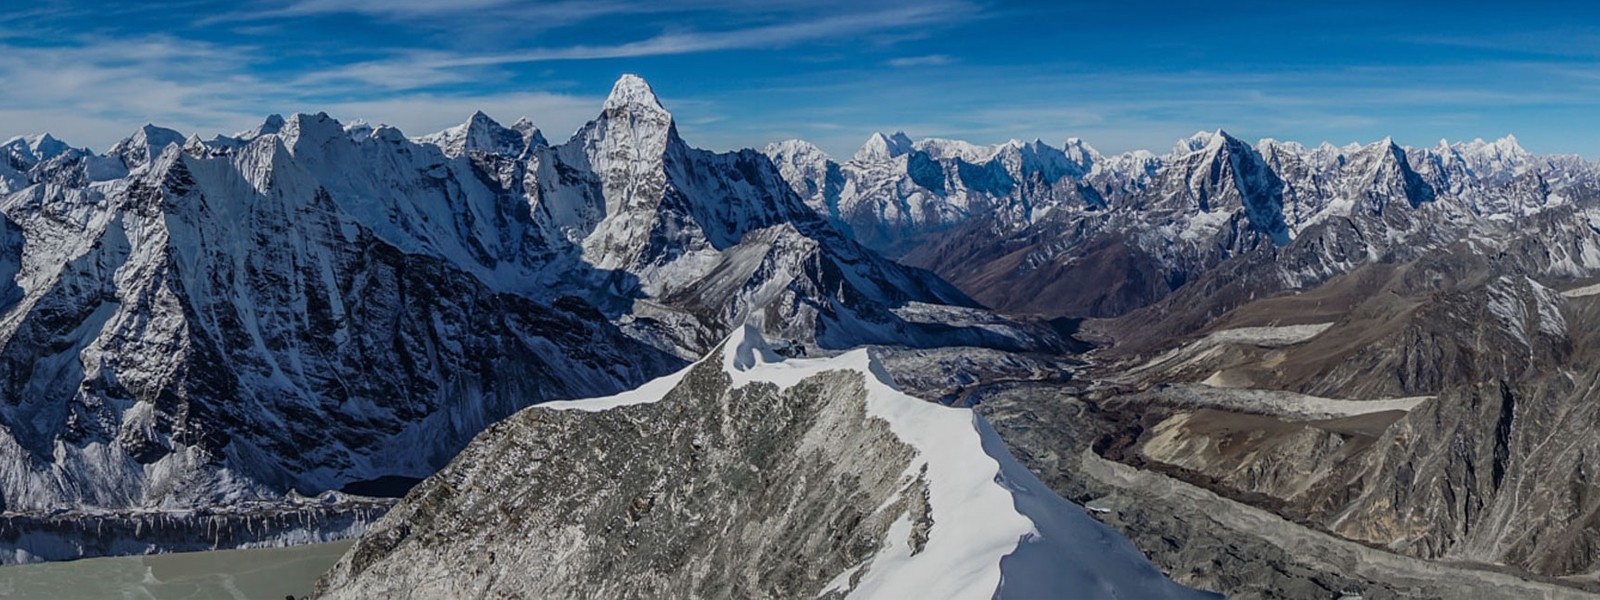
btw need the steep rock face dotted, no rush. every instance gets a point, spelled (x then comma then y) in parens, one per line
(656, 224)
(1486, 464)
(1493, 472)
(209, 324)
(741, 477)
(1495, 469)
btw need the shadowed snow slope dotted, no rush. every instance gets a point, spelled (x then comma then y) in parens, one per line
(744, 475)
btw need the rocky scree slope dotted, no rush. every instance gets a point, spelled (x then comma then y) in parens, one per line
(1484, 461)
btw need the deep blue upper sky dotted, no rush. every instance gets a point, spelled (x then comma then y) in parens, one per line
(1121, 75)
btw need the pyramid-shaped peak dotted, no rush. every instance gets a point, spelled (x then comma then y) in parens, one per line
(152, 138)
(41, 147)
(884, 147)
(480, 121)
(273, 124)
(45, 140)
(530, 132)
(1202, 140)
(151, 131)
(634, 92)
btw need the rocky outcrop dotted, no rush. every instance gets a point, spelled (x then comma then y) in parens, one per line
(1486, 464)
(1235, 544)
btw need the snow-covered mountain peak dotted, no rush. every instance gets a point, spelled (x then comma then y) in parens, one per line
(359, 130)
(633, 126)
(302, 131)
(797, 152)
(1201, 140)
(1507, 149)
(1081, 154)
(480, 133)
(145, 145)
(272, 125)
(26, 151)
(633, 92)
(938, 148)
(1498, 161)
(530, 132)
(1275, 150)
(882, 147)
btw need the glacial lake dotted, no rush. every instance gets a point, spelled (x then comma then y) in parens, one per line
(265, 573)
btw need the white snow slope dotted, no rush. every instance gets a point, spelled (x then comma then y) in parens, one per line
(997, 530)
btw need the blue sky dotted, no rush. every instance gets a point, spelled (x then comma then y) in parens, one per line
(1121, 75)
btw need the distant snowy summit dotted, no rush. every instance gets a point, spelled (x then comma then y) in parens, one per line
(745, 475)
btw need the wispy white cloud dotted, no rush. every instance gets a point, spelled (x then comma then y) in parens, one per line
(96, 92)
(767, 36)
(931, 60)
(536, 15)
(412, 68)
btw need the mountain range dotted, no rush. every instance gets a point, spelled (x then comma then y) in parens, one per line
(186, 318)
(1007, 221)
(1230, 352)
